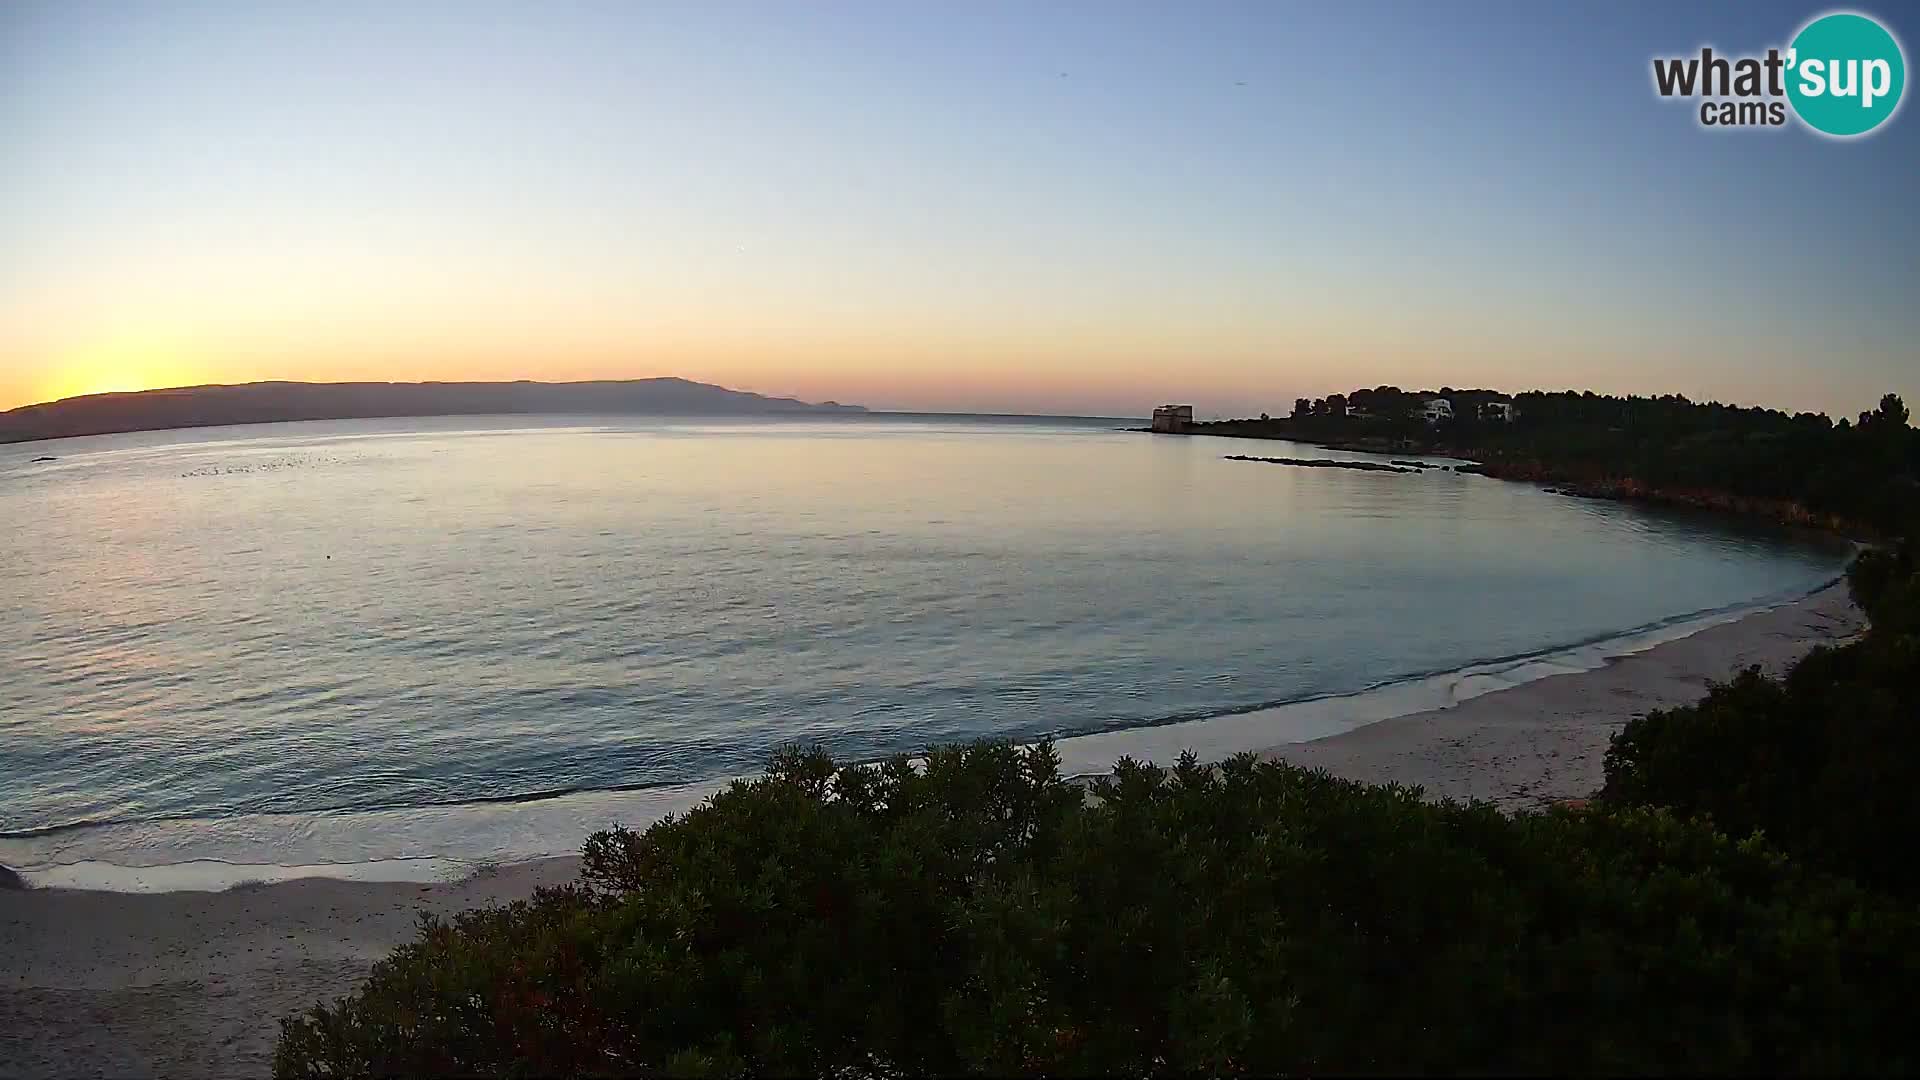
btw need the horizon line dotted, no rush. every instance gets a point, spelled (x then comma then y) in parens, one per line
(829, 402)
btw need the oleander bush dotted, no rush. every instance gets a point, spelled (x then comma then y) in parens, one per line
(977, 913)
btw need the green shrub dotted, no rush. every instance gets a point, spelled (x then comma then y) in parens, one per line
(1886, 585)
(1821, 761)
(982, 915)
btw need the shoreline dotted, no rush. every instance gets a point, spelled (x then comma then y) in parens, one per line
(1545, 741)
(1317, 719)
(194, 982)
(1779, 512)
(440, 843)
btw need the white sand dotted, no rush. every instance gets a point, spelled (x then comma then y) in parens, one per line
(1546, 740)
(193, 983)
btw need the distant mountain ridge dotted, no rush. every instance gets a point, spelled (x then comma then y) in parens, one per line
(279, 402)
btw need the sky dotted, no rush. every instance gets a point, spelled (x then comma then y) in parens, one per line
(1064, 207)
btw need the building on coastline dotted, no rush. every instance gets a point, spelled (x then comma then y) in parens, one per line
(1501, 411)
(1172, 419)
(1434, 410)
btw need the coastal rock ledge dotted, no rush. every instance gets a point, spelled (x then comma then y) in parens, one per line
(1323, 463)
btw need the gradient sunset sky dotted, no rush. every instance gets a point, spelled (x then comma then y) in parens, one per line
(1077, 206)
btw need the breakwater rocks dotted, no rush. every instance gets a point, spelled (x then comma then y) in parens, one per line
(1324, 463)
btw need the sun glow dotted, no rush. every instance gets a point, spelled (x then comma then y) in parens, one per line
(119, 368)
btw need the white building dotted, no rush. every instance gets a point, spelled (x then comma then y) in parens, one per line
(1497, 410)
(1435, 409)
(1172, 419)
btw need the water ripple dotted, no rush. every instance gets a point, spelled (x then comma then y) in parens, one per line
(280, 621)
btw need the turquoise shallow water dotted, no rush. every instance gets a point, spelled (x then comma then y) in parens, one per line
(311, 619)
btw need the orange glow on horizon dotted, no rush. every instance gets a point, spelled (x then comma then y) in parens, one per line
(118, 366)
(897, 365)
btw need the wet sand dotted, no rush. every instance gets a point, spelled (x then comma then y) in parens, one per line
(193, 983)
(1547, 740)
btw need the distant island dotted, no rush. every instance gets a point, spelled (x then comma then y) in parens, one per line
(279, 402)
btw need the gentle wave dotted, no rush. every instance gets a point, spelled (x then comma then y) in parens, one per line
(1218, 737)
(1495, 668)
(447, 841)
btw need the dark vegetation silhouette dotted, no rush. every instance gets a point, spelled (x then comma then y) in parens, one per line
(1739, 897)
(1855, 476)
(1822, 761)
(981, 916)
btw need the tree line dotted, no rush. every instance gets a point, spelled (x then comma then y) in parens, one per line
(1858, 474)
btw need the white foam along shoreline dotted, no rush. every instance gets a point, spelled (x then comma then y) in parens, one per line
(444, 843)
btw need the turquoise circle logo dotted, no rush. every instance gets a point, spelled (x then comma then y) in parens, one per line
(1845, 73)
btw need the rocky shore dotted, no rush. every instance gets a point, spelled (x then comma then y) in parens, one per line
(1628, 489)
(1563, 480)
(1325, 463)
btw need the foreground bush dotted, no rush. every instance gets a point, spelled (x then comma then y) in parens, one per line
(981, 915)
(1822, 761)
(1886, 585)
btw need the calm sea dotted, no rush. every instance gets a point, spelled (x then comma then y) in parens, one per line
(255, 634)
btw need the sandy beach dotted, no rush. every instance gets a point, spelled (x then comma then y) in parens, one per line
(193, 983)
(1546, 740)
